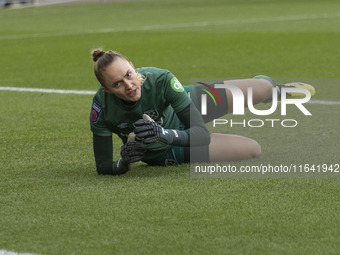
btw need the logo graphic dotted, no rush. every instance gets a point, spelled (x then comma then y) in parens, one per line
(239, 101)
(204, 97)
(96, 110)
(176, 85)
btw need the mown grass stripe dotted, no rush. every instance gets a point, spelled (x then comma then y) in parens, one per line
(176, 26)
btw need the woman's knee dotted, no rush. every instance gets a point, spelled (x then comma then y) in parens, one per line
(254, 149)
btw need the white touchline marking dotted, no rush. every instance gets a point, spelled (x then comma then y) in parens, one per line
(173, 26)
(92, 92)
(39, 3)
(5, 252)
(323, 102)
(55, 91)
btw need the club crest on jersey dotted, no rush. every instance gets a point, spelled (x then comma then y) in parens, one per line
(153, 114)
(96, 110)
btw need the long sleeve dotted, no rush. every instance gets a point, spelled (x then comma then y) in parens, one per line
(198, 134)
(102, 147)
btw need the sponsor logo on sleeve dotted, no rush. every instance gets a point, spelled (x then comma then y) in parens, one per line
(176, 85)
(96, 111)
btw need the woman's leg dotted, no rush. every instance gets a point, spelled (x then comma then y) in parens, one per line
(261, 88)
(261, 91)
(225, 147)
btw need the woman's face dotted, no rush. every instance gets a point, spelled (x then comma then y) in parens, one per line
(121, 79)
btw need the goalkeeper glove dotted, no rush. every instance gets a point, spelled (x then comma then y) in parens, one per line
(151, 132)
(132, 152)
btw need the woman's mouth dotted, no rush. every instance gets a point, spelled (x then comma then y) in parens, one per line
(132, 93)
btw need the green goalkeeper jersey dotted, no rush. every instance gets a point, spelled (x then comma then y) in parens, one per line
(162, 96)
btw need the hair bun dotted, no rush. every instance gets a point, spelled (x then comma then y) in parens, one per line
(96, 54)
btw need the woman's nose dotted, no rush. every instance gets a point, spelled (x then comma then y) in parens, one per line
(127, 84)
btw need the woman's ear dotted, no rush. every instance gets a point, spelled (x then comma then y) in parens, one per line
(104, 89)
(132, 65)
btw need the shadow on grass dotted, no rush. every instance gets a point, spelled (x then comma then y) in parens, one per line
(144, 170)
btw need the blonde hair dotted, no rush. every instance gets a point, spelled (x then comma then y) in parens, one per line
(102, 59)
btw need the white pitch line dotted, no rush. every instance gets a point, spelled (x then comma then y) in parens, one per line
(5, 252)
(92, 92)
(324, 102)
(55, 91)
(174, 26)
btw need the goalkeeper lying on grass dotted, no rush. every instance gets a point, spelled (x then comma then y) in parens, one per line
(175, 126)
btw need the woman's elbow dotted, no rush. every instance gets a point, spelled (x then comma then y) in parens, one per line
(104, 168)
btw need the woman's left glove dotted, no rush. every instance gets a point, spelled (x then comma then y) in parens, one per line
(132, 152)
(151, 132)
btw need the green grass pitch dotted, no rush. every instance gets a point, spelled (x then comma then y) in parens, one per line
(53, 202)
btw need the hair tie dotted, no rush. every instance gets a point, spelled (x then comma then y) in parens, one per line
(101, 54)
